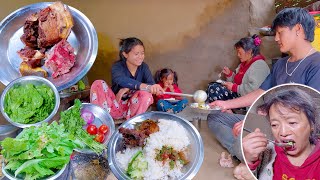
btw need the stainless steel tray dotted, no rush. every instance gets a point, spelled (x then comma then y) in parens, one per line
(196, 146)
(83, 38)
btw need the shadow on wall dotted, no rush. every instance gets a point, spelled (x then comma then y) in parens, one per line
(107, 54)
(200, 53)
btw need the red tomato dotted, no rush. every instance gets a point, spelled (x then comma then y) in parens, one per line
(99, 138)
(92, 129)
(103, 129)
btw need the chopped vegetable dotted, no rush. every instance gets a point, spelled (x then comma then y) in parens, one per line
(290, 143)
(99, 138)
(87, 116)
(169, 154)
(81, 85)
(92, 129)
(103, 129)
(28, 104)
(137, 166)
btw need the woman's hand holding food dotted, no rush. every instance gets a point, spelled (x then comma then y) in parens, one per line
(121, 92)
(226, 70)
(253, 145)
(228, 85)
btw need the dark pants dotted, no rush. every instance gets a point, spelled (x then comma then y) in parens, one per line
(217, 91)
(175, 107)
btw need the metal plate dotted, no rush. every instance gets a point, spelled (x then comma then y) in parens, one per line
(101, 116)
(83, 38)
(206, 107)
(8, 131)
(196, 144)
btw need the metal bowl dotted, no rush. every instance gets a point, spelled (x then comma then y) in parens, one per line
(266, 31)
(101, 116)
(83, 38)
(196, 144)
(8, 130)
(10, 175)
(36, 81)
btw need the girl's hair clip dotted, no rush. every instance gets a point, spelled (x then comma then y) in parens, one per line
(257, 41)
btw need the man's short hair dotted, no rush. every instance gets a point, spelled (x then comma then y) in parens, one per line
(290, 17)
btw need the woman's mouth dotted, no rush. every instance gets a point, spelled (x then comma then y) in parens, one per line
(289, 145)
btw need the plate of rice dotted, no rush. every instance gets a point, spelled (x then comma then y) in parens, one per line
(169, 148)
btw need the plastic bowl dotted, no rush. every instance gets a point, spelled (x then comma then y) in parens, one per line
(196, 145)
(36, 81)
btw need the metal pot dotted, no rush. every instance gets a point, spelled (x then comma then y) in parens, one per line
(8, 131)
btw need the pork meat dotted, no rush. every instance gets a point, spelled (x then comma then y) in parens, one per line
(60, 59)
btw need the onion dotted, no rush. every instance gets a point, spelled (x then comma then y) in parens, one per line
(87, 116)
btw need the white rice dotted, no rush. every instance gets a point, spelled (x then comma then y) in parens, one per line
(123, 158)
(170, 134)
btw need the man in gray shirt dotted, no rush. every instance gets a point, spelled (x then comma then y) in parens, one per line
(294, 29)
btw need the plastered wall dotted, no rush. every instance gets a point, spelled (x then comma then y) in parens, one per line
(195, 38)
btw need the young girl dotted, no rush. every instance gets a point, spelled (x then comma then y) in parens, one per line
(294, 118)
(130, 74)
(168, 80)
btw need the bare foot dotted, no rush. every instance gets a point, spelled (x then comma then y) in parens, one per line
(225, 160)
(241, 172)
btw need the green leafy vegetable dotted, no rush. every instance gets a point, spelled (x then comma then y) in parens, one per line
(73, 122)
(81, 85)
(27, 104)
(38, 152)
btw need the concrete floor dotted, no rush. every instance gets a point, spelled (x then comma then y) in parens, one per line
(210, 168)
(212, 150)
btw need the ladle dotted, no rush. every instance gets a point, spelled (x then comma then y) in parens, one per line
(199, 96)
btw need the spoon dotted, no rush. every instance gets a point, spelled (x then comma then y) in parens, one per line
(288, 144)
(219, 75)
(220, 80)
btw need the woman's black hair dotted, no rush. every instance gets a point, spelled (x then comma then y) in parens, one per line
(249, 43)
(165, 72)
(289, 17)
(297, 100)
(127, 44)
